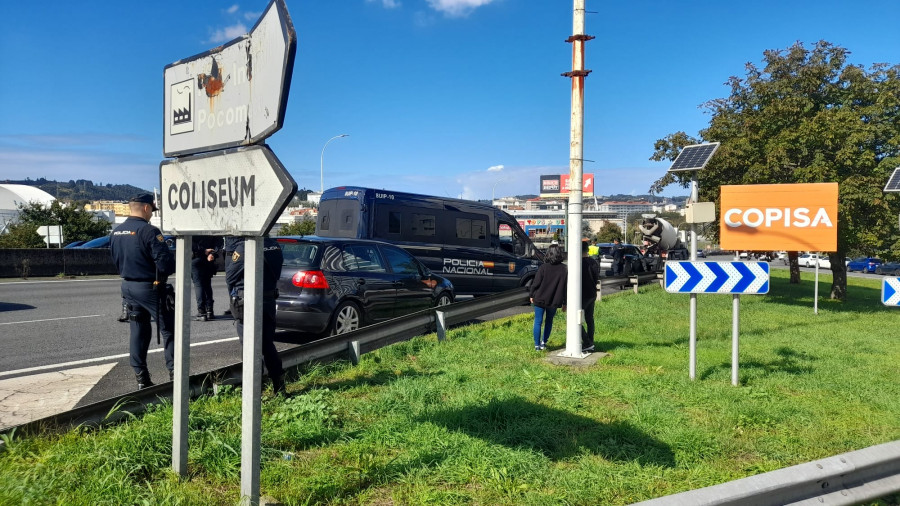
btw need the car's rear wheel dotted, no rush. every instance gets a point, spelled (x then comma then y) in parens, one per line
(346, 318)
(444, 299)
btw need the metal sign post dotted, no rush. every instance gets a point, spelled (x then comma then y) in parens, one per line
(693, 158)
(251, 407)
(181, 388)
(230, 99)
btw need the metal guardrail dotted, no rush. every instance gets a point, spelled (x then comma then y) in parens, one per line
(345, 346)
(848, 478)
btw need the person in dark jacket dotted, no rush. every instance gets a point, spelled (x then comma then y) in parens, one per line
(590, 276)
(144, 261)
(548, 293)
(204, 249)
(617, 251)
(273, 260)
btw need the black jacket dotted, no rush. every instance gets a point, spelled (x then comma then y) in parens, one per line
(590, 275)
(549, 286)
(140, 252)
(273, 260)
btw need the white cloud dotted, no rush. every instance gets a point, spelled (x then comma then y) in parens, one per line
(495, 168)
(228, 33)
(252, 16)
(232, 9)
(387, 4)
(457, 8)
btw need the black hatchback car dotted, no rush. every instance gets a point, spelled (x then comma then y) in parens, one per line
(332, 285)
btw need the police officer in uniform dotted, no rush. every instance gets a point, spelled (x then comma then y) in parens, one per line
(204, 249)
(234, 277)
(144, 261)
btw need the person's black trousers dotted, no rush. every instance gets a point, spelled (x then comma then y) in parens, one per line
(143, 300)
(270, 353)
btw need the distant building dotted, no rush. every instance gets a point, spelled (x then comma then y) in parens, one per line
(118, 208)
(623, 209)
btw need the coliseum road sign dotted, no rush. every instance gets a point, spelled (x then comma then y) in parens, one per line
(240, 191)
(233, 95)
(717, 277)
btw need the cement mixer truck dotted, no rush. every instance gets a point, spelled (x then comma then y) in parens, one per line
(660, 242)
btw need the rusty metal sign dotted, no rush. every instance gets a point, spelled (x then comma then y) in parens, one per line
(240, 191)
(232, 95)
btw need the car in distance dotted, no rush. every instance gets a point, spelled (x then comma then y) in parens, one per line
(808, 260)
(632, 259)
(863, 264)
(888, 269)
(335, 285)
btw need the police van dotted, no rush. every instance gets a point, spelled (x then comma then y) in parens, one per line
(478, 247)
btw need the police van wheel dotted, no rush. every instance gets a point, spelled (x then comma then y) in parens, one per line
(346, 318)
(443, 299)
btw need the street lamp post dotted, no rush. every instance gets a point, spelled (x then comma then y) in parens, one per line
(322, 161)
(495, 187)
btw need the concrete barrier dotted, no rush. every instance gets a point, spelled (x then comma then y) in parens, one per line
(23, 263)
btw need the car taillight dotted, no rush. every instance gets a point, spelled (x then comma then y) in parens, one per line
(309, 279)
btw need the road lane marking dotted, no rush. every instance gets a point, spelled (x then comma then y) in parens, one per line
(58, 281)
(102, 359)
(53, 319)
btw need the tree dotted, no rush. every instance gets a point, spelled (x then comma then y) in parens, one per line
(77, 224)
(21, 235)
(608, 232)
(808, 117)
(306, 226)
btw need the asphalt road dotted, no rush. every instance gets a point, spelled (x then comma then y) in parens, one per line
(53, 325)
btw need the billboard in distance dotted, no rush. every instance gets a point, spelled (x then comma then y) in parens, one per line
(558, 185)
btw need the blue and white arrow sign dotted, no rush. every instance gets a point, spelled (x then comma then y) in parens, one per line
(890, 291)
(717, 277)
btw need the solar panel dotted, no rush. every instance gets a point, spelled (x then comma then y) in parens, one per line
(893, 184)
(694, 157)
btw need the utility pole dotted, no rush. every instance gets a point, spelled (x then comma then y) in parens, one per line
(574, 315)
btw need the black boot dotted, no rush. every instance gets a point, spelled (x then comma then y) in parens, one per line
(278, 387)
(124, 316)
(201, 314)
(143, 380)
(210, 315)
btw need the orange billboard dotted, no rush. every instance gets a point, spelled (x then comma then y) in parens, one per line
(770, 217)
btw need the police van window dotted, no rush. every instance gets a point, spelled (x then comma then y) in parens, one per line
(423, 224)
(348, 219)
(400, 261)
(470, 229)
(387, 222)
(324, 220)
(363, 258)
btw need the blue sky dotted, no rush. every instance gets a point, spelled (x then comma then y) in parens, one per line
(444, 97)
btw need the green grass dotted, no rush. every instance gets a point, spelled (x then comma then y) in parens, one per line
(483, 419)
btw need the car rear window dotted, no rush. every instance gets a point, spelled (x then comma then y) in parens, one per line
(299, 254)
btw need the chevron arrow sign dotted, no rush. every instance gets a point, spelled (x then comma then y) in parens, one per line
(718, 277)
(890, 291)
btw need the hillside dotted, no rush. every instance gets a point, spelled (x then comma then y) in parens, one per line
(82, 189)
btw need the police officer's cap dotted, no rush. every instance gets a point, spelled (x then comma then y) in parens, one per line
(145, 198)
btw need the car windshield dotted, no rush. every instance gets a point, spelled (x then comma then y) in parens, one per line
(299, 254)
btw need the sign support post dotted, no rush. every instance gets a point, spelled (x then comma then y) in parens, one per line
(181, 388)
(692, 368)
(251, 405)
(735, 330)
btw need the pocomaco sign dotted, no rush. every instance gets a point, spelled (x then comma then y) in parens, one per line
(770, 217)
